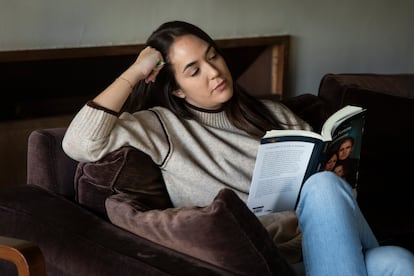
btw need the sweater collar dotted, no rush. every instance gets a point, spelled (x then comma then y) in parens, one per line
(213, 118)
(193, 107)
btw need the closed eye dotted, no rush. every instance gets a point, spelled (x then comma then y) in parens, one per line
(196, 71)
(212, 56)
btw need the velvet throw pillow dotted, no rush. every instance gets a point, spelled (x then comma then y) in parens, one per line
(125, 171)
(225, 233)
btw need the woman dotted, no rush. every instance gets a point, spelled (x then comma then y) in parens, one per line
(203, 131)
(331, 162)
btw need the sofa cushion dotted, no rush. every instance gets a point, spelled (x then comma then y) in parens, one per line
(225, 233)
(127, 170)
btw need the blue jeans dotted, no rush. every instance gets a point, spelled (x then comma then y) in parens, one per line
(337, 240)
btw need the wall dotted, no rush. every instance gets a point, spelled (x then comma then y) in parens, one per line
(327, 36)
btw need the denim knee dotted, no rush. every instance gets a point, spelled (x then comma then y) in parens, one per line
(322, 183)
(389, 260)
(325, 188)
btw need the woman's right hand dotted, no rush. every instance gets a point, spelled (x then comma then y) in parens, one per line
(144, 68)
(148, 64)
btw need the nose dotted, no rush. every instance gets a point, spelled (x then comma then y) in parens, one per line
(213, 72)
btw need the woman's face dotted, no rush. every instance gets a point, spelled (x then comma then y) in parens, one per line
(202, 75)
(330, 164)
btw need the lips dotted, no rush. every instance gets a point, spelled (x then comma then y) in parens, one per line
(220, 86)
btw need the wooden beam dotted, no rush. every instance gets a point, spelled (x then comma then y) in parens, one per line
(102, 51)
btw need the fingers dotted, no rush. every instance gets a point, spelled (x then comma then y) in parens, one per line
(151, 57)
(151, 62)
(154, 72)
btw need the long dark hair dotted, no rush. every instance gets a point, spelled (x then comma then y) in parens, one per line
(243, 110)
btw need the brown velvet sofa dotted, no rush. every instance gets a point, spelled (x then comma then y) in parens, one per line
(62, 207)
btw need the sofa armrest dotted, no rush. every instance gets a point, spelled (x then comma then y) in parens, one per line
(25, 255)
(48, 166)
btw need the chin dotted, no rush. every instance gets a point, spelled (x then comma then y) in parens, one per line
(227, 95)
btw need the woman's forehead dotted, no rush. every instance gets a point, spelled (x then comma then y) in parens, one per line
(187, 48)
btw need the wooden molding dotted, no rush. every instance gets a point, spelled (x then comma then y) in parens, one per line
(103, 51)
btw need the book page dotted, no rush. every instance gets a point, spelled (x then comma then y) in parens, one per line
(337, 118)
(278, 176)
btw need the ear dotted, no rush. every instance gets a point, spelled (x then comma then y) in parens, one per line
(179, 93)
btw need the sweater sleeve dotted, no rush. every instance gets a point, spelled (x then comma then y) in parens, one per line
(94, 132)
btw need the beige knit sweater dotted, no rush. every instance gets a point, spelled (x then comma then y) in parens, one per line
(197, 157)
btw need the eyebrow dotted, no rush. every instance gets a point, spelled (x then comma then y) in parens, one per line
(194, 62)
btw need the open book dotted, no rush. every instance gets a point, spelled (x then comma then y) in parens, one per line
(286, 158)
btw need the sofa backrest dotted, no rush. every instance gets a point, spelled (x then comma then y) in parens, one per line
(47, 164)
(335, 88)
